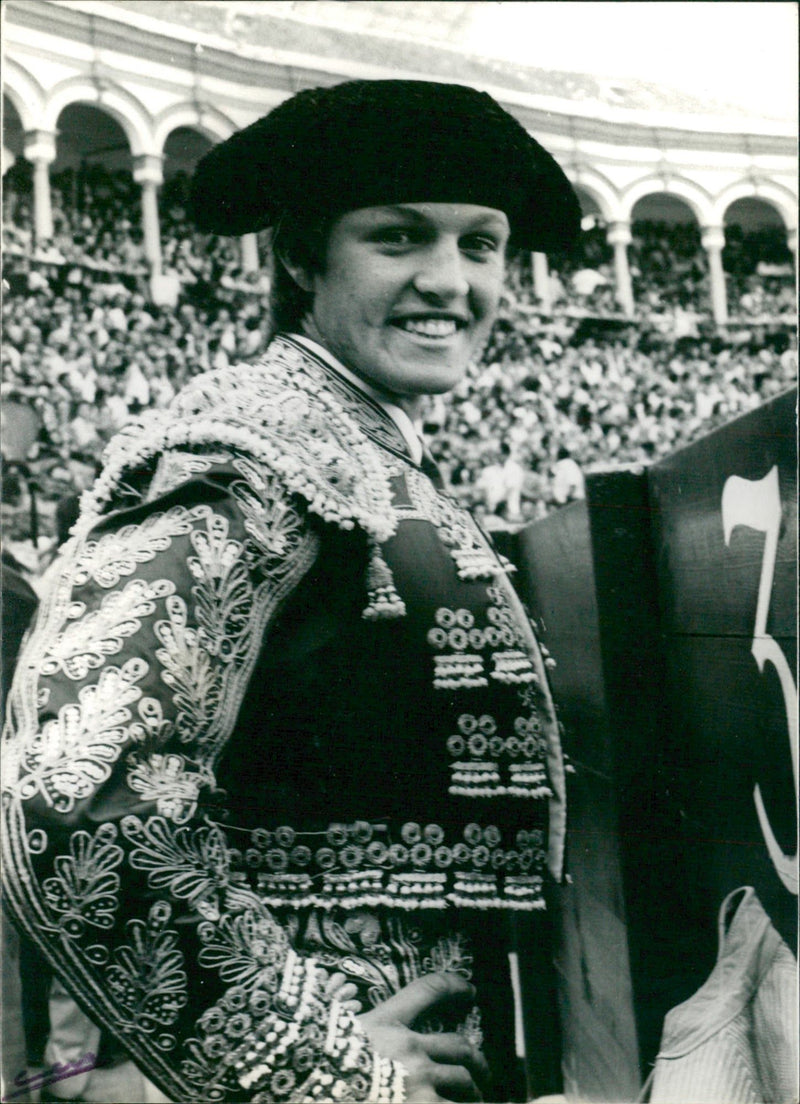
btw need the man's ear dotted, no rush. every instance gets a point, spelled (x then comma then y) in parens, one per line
(298, 272)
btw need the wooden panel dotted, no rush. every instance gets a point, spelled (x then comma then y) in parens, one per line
(705, 586)
(646, 595)
(730, 718)
(599, 1051)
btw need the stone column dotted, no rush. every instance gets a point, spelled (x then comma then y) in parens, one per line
(249, 246)
(541, 281)
(618, 235)
(713, 239)
(147, 173)
(40, 149)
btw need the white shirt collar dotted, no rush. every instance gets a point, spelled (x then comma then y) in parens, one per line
(395, 412)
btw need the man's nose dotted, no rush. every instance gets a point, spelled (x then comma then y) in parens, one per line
(442, 272)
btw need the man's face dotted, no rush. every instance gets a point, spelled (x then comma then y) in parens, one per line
(409, 293)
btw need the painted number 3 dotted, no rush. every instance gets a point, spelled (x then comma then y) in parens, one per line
(756, 503)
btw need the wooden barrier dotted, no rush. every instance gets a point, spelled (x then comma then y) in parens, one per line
(669, 602)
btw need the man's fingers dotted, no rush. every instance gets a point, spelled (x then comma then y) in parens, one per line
(453, 1049)
(455, 1083)
(422, 995)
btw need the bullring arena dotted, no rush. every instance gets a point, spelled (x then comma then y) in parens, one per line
(633, 378)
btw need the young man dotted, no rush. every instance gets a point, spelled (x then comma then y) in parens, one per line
(282, 759)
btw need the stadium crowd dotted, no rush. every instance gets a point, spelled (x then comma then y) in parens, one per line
(556, 393)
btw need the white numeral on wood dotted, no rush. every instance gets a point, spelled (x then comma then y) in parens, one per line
(756, 504)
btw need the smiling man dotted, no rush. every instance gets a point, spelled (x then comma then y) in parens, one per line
(408, 293)
(283, 762)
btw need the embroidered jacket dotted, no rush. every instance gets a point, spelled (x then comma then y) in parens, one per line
(280, 714)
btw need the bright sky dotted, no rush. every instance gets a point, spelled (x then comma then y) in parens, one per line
(742, 52)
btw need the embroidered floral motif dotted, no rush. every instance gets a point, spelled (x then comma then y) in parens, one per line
(189, 864)
(85, 645)
(248, 949)
(73, 754)
(175, 468)
(85, 886)
(190, 672)
(147, 975)
(114, 555)
(379, 962)
(223, 592)
(451, 955)
(167, 780)
(274, 525)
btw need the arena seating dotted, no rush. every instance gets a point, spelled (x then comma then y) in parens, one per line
(561, 392)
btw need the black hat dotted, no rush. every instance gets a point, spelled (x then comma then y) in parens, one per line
(371, 143)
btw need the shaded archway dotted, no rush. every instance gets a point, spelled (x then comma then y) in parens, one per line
(17, 171)
(758, 263)
(594, 250)
(182, 150)
(96, 202)
(13, 136)
(668, 263)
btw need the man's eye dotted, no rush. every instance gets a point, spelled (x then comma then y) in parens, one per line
(479, 243)
(396, 236)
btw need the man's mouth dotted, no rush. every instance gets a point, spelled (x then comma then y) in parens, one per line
(430, 327)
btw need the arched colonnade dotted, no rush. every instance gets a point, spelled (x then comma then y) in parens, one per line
(147, 135)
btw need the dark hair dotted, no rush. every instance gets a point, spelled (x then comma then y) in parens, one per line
(303, 241)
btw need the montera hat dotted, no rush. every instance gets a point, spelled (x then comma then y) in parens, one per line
(369, 143)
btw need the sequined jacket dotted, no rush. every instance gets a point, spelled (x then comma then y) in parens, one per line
(280, 711)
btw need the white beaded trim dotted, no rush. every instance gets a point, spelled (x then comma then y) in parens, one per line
(233, 408)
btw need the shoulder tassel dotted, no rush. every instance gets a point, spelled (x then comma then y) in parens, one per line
(384, 601)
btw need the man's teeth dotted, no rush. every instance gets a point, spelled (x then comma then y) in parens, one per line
(429, 327)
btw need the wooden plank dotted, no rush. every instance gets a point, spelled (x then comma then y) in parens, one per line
(600, 1058)
(731, 720)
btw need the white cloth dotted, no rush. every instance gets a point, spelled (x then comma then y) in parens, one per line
(73, 1036)
(736, 1040)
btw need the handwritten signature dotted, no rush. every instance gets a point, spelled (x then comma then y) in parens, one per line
(27, 1080)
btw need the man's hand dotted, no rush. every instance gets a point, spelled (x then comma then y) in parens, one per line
(441, 1066)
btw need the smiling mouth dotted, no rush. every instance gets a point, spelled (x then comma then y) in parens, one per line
(436, 328)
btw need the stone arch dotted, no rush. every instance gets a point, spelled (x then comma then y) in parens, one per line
(25, 93)
(206, 120)
(757, 251)
(124, 107)
(695, 197)
(182, 149)
(777, 196)
(87, 133)
(599, 189)
(13, 133)
(669, 263)
(663, 207)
